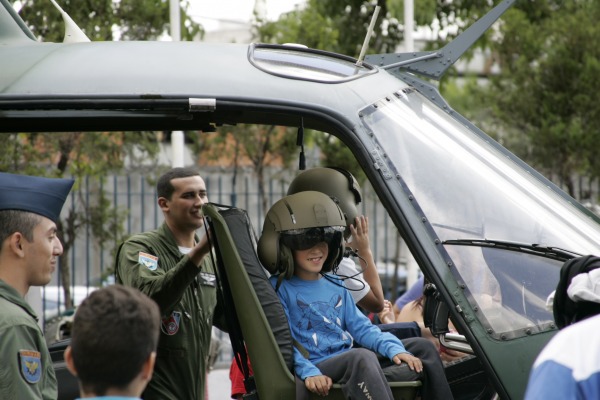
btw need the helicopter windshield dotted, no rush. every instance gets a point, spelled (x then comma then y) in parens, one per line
(468, 188)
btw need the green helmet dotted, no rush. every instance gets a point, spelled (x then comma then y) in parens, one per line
(337, 183)
(300, 221)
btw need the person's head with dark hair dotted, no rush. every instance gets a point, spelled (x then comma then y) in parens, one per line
(164, 186)
(113, 342)
(12, 221)
(181, 195)
(577, 294)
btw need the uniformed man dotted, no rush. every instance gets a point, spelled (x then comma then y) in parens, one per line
(29, 209)
(172, 265)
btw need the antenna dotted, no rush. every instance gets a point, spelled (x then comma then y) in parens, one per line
(73, 33)
(363, 50)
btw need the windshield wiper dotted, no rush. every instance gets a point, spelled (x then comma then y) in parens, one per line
(535, 249)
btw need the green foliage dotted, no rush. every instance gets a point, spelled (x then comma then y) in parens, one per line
(257, 145)
(425, 11)
(101, 20)
(547, 90)
(338, 26)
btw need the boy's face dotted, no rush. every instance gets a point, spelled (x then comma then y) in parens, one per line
(308, 263)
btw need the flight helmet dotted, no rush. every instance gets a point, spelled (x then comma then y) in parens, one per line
(298, 222)
(337, 183)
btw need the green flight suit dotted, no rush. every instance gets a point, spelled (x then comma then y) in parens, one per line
(26, 370)
(186, 294)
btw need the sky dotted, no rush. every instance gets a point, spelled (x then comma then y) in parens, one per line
(210, 12)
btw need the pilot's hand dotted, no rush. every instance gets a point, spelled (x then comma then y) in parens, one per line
(413, 362)
(200, 250)
(319, 384)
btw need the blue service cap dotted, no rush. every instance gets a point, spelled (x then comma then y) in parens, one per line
(43, 196)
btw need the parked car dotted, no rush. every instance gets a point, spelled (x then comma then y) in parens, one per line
(488, 232)
(57, 317)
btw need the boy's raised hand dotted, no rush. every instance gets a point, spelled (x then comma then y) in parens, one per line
(413, 362)
(319, 384)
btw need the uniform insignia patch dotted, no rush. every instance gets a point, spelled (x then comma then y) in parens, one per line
(208, 279)
(148, 260)
(30, 365)
(170, 325)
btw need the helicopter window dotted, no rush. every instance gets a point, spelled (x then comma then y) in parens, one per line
(465, 186)
(301, 63)
(508, 289)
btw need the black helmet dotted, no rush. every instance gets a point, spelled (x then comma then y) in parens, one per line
(337, 183)
(300, 221)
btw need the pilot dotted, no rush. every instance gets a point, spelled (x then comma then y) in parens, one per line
(172, 266)
(29, 209)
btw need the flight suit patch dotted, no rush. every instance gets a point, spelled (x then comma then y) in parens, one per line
(30, 365)
(148, 260)
(208, 279)
(170, 325)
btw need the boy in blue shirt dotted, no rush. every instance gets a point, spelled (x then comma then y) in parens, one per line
(306, 230)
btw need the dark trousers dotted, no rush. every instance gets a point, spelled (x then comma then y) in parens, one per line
(435, 385)
(364, 375)
(360, 374)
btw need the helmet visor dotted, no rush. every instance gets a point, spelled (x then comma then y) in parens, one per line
(304, 239)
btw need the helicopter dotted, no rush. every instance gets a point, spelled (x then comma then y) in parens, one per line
(488, 231)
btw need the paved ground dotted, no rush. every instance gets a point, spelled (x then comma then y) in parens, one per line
(219, 385)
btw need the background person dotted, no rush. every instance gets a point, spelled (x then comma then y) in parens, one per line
(29, 250)
(173, 267)
(113, 343)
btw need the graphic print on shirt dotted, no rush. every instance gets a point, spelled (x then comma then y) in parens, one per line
(170, 325)
(321, 319)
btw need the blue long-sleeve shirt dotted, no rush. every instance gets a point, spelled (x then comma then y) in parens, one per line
(325, 321)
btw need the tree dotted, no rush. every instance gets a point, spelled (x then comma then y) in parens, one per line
(545, 95)
(105, 20)
(256, 145)
(335, 25)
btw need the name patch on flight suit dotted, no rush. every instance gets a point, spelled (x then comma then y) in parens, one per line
(208, 279)
(30, 365)
(148, 260)
(170, 325)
